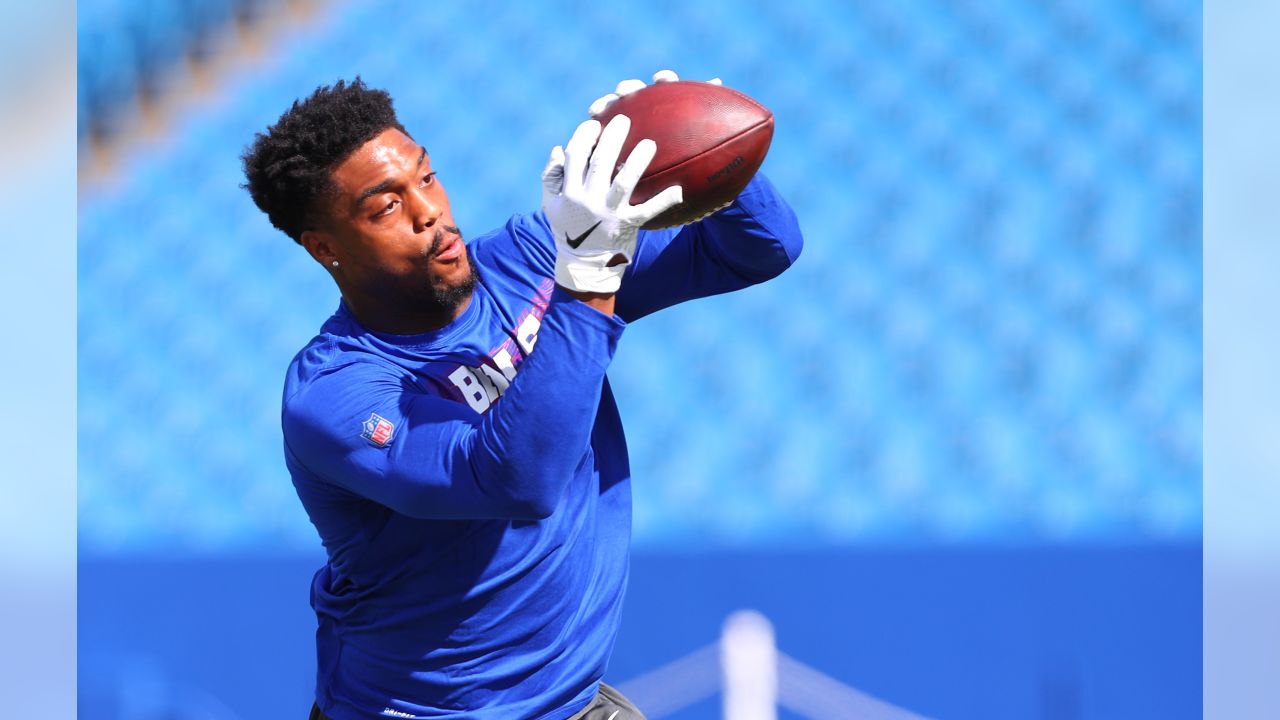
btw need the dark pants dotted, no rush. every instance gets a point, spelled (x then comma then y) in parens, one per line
(608, 704)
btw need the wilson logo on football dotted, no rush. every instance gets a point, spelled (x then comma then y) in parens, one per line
(377, 430)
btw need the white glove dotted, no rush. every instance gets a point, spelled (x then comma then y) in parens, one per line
(591, 215)
(626, 87)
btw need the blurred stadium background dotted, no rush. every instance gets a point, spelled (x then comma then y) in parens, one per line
(953, 455)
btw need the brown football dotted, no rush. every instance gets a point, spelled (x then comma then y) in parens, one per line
(710, 141)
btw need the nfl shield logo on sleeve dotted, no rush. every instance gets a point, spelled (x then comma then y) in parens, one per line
(377, 430)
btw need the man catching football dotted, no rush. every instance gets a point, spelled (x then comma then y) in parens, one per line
(450, 430)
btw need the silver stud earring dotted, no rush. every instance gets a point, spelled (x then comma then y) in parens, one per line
(335, 263)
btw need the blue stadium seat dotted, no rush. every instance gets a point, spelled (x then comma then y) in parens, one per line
(993, 333)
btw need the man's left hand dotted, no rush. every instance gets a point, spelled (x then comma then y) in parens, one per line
(590, 212)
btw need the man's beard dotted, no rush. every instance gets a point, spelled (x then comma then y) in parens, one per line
(448, 297)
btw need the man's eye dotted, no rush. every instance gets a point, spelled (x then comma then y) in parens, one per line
(428, 179)
(391, 206)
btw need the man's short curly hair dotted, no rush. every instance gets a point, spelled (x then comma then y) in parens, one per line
(288, 168)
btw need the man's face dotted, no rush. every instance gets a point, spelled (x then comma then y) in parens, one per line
(393, 234)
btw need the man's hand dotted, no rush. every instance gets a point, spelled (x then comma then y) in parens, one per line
(590, 212)
(626, 87)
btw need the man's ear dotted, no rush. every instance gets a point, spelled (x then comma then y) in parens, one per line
(320, 245)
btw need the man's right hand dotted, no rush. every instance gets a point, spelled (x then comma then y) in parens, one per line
(590, 212)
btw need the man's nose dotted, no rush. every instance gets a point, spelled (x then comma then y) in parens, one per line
(425, 210)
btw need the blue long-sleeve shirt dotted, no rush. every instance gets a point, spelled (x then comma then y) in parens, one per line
(473, 494)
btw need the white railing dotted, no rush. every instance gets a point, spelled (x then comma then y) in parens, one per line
(755, 680)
